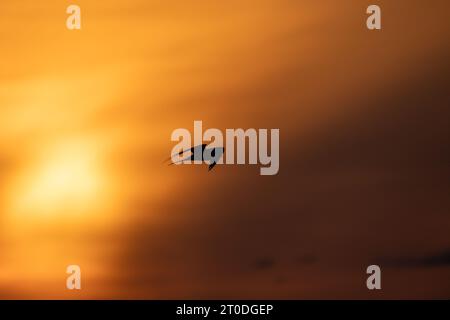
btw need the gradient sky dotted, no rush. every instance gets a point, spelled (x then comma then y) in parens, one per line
(85, 123)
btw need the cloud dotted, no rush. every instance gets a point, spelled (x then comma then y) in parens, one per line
(264, 263)
(439, 259)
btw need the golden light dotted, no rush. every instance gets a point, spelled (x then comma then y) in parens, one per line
(65, 180)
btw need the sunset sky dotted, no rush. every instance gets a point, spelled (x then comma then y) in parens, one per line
(85, 123)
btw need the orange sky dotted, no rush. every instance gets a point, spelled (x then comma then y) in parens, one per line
(85, 123)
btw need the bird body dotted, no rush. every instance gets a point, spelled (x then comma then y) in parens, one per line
(201, 153)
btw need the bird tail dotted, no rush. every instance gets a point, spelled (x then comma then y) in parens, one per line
(170, 158)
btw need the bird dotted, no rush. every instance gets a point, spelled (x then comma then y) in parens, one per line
(202, 153)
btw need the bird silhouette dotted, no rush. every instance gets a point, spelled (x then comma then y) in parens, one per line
(208, 155)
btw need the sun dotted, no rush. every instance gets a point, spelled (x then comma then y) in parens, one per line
(66, 180)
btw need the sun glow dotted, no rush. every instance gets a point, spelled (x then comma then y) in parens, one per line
(66, 180)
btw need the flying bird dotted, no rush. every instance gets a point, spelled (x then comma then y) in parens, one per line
(201, 153)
